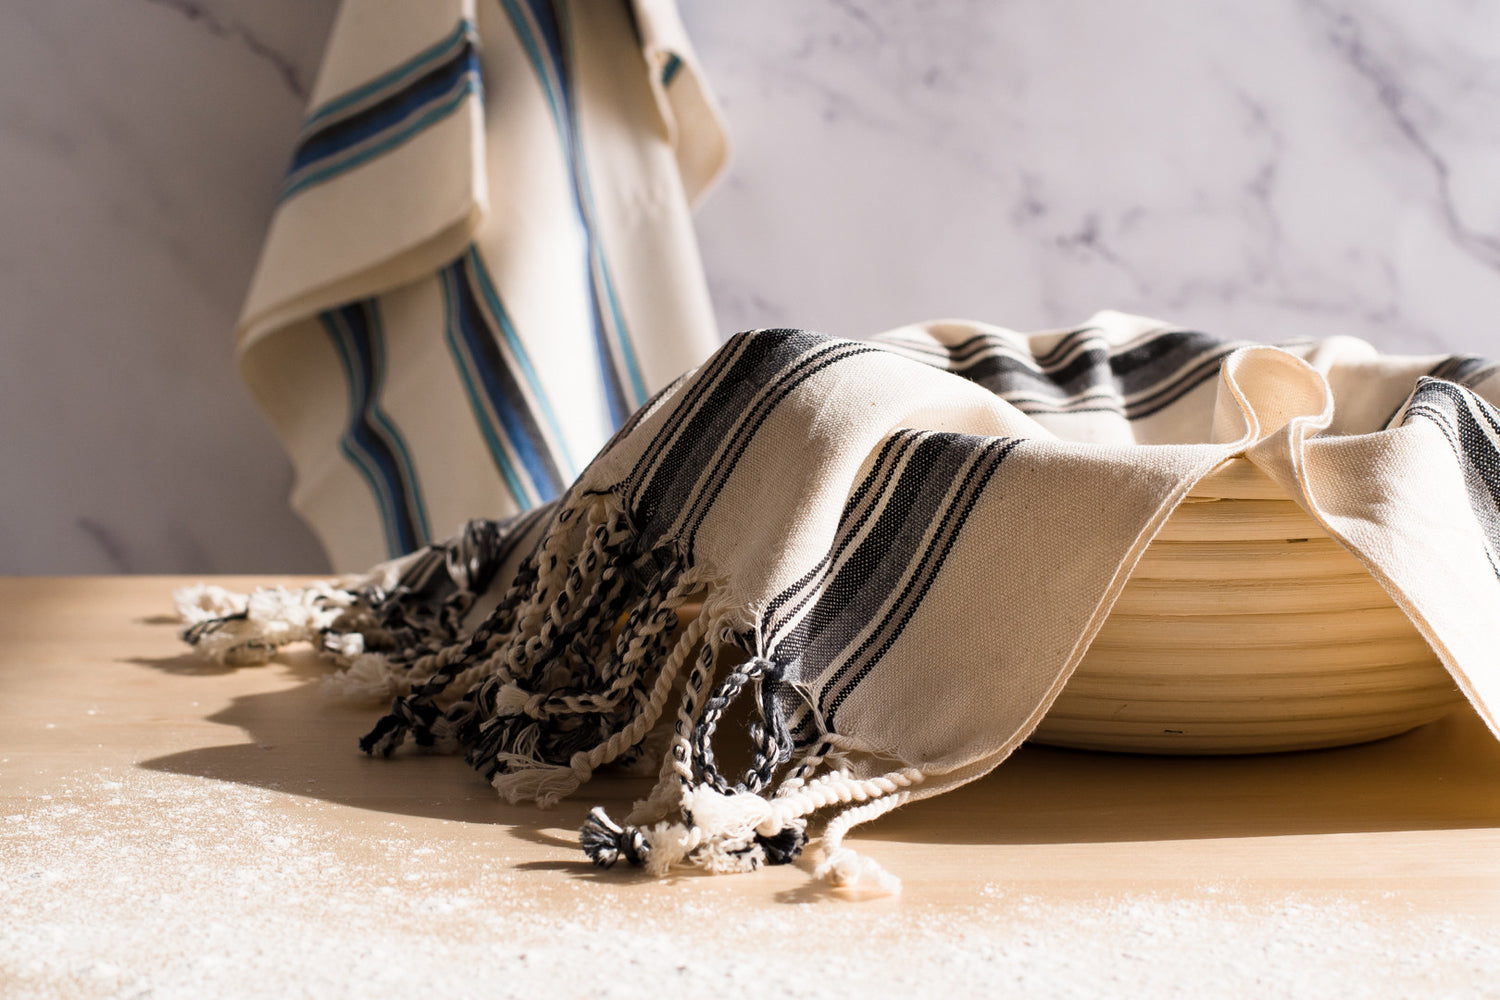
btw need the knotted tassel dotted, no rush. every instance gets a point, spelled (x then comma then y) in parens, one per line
(784, 846)
(606, 842)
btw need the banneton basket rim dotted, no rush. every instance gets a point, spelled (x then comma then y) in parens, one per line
(1237, 479)
(1284, 641)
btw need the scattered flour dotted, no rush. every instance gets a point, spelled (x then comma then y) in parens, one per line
(184, 887)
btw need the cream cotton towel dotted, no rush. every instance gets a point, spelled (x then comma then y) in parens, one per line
(482, 261)
(902, 549)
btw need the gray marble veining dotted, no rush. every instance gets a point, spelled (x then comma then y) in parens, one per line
(141, 143)
(1265, 170)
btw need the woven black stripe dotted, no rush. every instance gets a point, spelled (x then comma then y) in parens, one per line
(856, 514)
(729, 458)
(1452, 409)
(991, 453)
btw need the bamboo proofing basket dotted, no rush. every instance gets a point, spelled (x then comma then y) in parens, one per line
(1245, 628)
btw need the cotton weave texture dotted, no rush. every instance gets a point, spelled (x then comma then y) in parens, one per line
(901, 548)
(482, 261)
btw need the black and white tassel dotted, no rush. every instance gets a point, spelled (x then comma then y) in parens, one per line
(606, 842)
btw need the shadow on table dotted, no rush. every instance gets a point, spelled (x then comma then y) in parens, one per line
(1445, 775)
(299, 741)
(1442, 776)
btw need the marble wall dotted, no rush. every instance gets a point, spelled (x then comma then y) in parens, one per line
(1295, 168)
(1266, 170)
(141, 144)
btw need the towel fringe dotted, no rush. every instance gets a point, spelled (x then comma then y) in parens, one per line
(245, 630)
(573, 670)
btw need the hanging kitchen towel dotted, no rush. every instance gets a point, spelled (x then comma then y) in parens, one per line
(482, 261)
(901, 550)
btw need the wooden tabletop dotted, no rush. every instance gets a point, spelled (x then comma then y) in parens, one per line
(171, 828)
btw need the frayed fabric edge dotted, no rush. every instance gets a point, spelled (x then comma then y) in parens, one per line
(247, 629)
(573, 671)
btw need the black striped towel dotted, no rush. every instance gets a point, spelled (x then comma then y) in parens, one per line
(901, 549)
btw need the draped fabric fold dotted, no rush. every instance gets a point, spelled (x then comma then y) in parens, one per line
(898, 551)
(482, 261)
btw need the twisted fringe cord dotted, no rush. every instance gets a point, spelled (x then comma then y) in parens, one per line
(739, 831)
(396, 616)
(547, 628)
(588, 697)
(546, 691)
(677, 767)
(549, 785)
(642, 639)
(804, 769)
(844, 867)
(376, 625)
(771, 742)
(433, 668)
(552, 573)
(420, 713)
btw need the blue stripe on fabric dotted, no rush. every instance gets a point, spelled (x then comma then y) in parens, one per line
(345, 132)
(411, 485)
(555, 96)
(450, 279)
(367, 132)
(596, 249)
(522, 358)
(397, 138)
(545, 15)
(370, 440)
(670, 70)
(353, 379)
(504, 394)
(475, 345)
(391, 78)
(550, 64)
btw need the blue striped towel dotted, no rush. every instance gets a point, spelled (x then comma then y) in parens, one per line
(482, 261)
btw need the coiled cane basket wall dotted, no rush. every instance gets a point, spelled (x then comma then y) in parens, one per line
(1245, 628)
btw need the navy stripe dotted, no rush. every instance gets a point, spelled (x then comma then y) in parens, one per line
(771, 364)
(626, 388)
(545, 15)
(1130, 372)
(1464, 369)
(1457, 368)
(345, 132)
(389, 81)
(1171, 391)
(518, 359)
(953, 354)
(670, 70)
(864, 578)
(389, 121)
(684, 409)
(499, 384)
(370, 440)
(623, 389)
(739, 443)
(449, 279)
(703, 416)
(1064, 344)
